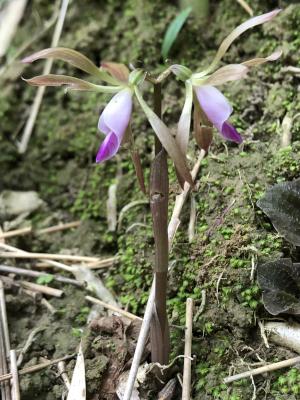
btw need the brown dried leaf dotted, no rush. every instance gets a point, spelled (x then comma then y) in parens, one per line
(138, 170)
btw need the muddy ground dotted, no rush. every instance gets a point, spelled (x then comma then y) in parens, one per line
(231, 233)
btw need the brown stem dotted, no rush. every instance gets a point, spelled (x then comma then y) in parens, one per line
(159, 191)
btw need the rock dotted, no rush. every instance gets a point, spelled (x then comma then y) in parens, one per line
(14, 203)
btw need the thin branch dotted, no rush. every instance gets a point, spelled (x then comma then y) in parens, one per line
(34, 287)
(46, 256)
(143, 335)
(181, 198)
(28, 344)
(112, 308)
(22, 146)
(15, 232)
(61, 366)
(36, 274)
(57, 228)
(186, 382)
(192, 222)
(48, 24)
(49, 262)
(202, 305)
(246, 7)
(267, 368)
(4, 345)
(48, 305)
(35, 368)
(15, 376)
(49, 291)
(4, 320)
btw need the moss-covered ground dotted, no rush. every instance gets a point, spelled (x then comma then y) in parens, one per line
(231, 234)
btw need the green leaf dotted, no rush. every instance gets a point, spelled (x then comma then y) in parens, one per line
(44, 279)
(173, 31)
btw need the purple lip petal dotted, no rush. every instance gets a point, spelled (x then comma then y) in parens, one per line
(214, 104)
(218, 110)
(230, 133)
(108, 148)
(116, 115)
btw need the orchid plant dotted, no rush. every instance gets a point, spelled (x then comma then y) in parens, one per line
(211, 108)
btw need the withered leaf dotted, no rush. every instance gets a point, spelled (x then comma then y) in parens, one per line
(280, 284)
(281, 203)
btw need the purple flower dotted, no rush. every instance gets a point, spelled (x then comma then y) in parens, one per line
(218, 110)
(212, 102)
(113, 123)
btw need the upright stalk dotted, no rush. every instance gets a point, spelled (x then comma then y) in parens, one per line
(159, 195)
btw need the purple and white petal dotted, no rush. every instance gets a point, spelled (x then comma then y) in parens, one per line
(218, 110)
(116, 115)
(214, 104)
(113, 123)
(108, 148)
(230, 133)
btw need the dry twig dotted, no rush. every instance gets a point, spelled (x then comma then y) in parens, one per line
(15, 387)
(46, 256)
(202, 305)
(27, 344)
(49, 262)
(267, 368)
(29, 229)
(22, 146)
(48, 305)
(61, 366)
(112, 308)
(4, 345)
(13, 13)
(49, 291)
(186, 382)
(35, 368)
(37, 274)
(192, 222)
(128, 207)
(246, 7)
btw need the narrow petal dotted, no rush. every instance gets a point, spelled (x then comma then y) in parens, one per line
(117, 70)
(184, 124)
(70, 56)
(231, 72)
(70, 83)
(108, 148)
(214, 104)
(230, 133)
(258, 61)
(116, 115)
(250, 23)
(218, 110)
(166, 139)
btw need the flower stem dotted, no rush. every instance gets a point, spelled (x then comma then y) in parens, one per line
(159, 194)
